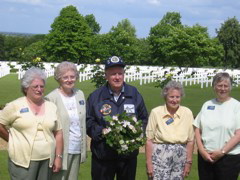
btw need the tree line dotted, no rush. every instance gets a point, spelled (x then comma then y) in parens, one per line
(76, 38)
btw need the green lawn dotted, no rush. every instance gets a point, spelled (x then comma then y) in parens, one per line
(195, 97)
(85, 168)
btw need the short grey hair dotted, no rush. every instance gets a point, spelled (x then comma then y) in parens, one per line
(220, 77)
(63, 67)
(172, 85)
(31, 74)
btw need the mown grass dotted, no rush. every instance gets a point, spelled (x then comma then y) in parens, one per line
(195, 97)
(85, 168)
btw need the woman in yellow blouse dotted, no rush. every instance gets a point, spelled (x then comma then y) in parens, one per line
(170, 137)
(33, 131)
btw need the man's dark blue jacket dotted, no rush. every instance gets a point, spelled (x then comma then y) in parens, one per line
(101, 103)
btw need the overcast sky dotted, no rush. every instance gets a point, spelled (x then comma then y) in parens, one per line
(36, 16)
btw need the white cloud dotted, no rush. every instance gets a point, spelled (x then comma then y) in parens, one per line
(154, 2)
(26, 1)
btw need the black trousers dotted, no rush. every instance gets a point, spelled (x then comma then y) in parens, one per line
(124, 169)
(226, 168)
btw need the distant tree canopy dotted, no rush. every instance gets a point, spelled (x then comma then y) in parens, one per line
(2, 56)
(181, 45)
(76, 38)
(229, 36)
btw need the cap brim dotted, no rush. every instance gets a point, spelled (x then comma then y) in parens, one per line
(115, 65)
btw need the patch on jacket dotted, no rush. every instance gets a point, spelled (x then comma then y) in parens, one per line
(106, 109)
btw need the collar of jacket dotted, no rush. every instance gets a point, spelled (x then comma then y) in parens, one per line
(127, 91)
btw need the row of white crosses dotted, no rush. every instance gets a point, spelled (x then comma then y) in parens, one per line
(144, 74)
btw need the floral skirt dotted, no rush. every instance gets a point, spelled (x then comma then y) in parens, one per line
(168, 161)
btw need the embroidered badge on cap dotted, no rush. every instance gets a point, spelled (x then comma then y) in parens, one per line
(115, 59)
(106, 109)
(211, 107)
(23, 110)
(169, 121)
(81, 102)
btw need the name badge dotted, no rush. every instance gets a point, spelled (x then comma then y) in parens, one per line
(129, 108)
(211, 107)
(81, 102)
(24, 110)
(169, 121)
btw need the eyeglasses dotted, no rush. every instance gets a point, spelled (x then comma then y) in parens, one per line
(65, 78)
(37, 86)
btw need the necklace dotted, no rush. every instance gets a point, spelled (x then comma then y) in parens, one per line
(36, 108)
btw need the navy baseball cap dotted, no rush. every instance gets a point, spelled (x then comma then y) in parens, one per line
(114, 61)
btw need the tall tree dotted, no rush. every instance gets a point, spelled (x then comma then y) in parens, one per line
(190, 47)
(70, 37)
(159, 34)
(229, 36)
(92, 23)
(122, 40)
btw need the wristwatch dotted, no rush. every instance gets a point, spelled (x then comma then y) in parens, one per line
(223, 152)
(59, 155)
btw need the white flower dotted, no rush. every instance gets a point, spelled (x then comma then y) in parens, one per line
(124, 147)
(112, 123)
(134, 119)
(107, 130)
(138, 139)
(115, 118)
(119, 128)
(132, 128)
(126, 123)
(124, 133)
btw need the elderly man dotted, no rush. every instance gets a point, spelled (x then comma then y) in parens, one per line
(113, 98)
